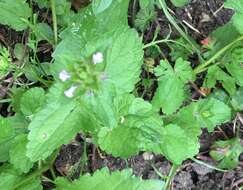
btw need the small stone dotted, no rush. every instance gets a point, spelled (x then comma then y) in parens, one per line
(148, 156)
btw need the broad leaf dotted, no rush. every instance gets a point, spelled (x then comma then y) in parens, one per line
(102, 179)
(177, 145)
(237, 5)
(18, 154)
(227, 152)
(6, 136)
(217, 74)
(55, 124)
(171, 83)
(206, 113)
(237, 100)
(100, 5)
(32, 100)
(11, 179)
(13, 12)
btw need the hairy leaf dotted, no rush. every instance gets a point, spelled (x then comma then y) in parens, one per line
(12, 13)
(171, 83)
(100, 5)
(102, 179)
(31, 100)
(55, 124)
(18, 154)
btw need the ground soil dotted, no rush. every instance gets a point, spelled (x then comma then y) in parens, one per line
(200, 18)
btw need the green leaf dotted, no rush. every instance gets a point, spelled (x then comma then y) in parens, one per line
(184, 70)
(227, 152)
(212, 112)
(144, 3)
(217, 74)
(180, 3)
(144, 17)
(237, 6)
(43, 32)
(12, 13)
(207, 113)
(170, 93)
(137, 128)
(31, 100)
(100, 5)
(236, 71)
(6, 137)
(18, 154)
(177, 145)
(102, 179)
(55, 124)
(126, 54)
(237, 100)
(10, 179)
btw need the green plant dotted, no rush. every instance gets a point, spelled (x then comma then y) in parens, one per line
(89, 87)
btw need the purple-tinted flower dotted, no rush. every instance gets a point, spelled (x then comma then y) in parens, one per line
(64, 75)
(97, 58)
(70, 92)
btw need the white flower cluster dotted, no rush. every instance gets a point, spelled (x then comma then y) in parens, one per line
(64, 76)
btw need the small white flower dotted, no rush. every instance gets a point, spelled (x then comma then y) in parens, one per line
(122, 119)
(70, 92)
(98, 58)
(64, 75)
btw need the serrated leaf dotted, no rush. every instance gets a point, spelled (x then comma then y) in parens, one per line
(184, 70)
(31, 100)
(43, 31)
(136, 128)
(55, 124)
(102, 179)
(144, 17)
(100, 5)
(126, 54)
(12, 13)
(10, 179)
(171, 83)
(177, 145)
(227, 152)
(236, 71)
(237, 100)
(212, 112)
(206, 113)
(6, 136)
(217, 74)
(237, 18)
(18, 156)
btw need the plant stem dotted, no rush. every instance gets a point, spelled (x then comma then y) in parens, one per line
(173, 22)
(170, 176)
(153, 43)
(54, 20)
(207, 165)
(204, 66)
